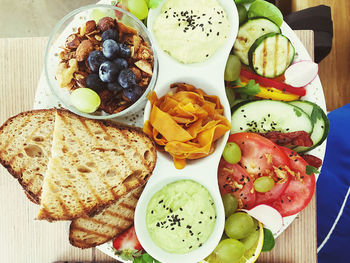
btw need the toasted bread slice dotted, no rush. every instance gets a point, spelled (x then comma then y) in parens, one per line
(25, 148)
(89, 162)
(86, 232)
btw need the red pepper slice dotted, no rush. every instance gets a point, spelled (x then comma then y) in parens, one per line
(265, 82)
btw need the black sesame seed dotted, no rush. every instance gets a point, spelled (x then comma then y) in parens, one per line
(202, 212)
(200, 222)
(172, 228)
(161, 201)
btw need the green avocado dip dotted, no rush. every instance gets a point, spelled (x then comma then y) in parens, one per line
(181, 216)
(191, 30)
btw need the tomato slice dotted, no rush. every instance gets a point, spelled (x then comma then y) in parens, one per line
(233, 179)
(300, 189)
(261, 157)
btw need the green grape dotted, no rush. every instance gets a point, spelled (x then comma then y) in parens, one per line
(227, 251)
(138, 8)
(230, 94)
(85, 100)
(239, 225)
(242, 13)
(230, 204)
(244, 1)
(265, 9)
(232, 153)
(224, 236)
(251, 239)
(97, 14)
(233, 68)
(264, 184)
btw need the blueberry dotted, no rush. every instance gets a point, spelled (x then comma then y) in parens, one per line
(93, 82)
(126, 78)
(124, 51)
(114, 87)
(95, 59)
(110, 49)
(110, 34)
(133, 93)
(121, 63)
(108, 72)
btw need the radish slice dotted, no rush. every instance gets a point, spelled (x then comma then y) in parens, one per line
(268, 216)
(301, 73)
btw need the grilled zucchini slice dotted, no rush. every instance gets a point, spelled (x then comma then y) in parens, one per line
(271, 55)
(249, 32)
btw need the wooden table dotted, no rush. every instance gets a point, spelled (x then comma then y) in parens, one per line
(25, 240)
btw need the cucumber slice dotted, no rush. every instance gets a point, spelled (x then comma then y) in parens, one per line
(267, 115)
(319, 120)
(270, 55)
(249, 32)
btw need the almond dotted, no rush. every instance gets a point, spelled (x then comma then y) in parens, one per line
(72, 41)
(144, 66)
(84, 50)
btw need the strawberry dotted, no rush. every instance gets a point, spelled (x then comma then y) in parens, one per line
(127, 241)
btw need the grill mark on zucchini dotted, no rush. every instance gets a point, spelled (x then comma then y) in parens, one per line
(276, 55)
(287, 57)
(264, 57)
(243, 39)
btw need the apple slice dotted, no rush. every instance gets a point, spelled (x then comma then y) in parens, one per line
(301, 73)
(268, 216)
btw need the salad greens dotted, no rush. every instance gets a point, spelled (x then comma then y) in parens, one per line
(311, 170)
(251, 88)
(145, 258)
(269, 240)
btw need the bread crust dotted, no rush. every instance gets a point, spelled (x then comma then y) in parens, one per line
(35, 198)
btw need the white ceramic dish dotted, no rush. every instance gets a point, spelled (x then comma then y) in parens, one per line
(208, 76)
(45, 99)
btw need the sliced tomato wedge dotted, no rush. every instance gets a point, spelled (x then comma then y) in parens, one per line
(300, 189)
(261, 157)
(235, 180)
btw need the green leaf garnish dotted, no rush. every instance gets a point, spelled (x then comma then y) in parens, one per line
(145, 258)
(311, 170)
(251, 88)
(269, 240)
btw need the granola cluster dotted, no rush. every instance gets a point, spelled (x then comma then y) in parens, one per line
(73, 69)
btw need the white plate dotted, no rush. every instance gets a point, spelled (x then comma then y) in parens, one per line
(44, 99)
